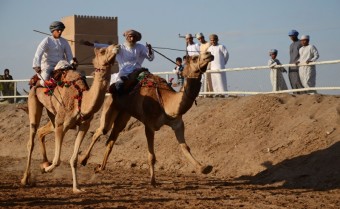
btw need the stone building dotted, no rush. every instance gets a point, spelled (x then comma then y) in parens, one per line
(90, 28)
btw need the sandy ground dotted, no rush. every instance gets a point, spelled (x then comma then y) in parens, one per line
(268, 151)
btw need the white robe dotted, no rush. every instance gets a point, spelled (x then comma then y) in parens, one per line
(193, 49)
(221, 56)
(49, 52)
(207, 77)
(128, 59)
(276, 77)
(308, 73)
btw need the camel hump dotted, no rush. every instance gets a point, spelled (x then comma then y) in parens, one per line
(134, 78)
(55, 75)
(60, 77)
(138, 78)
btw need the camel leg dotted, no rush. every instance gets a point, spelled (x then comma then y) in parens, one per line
(35, 113)
(107, 117)
(119, 124)
(179, 131)
(150, 136)
(59, 136)
(73, 161)
(42, 132)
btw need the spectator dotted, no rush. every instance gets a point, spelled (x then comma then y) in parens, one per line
(204, 45)
(50, 51)
(308, 53)
(8, 87)
(221, 56)
(178, 70)
(184, 61)
(130, 57)
(192, 47)
(293, 74)
(276, 77)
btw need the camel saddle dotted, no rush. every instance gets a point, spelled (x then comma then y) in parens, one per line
(55, 75)
(138, 78)
(130, 82)
(56, 79)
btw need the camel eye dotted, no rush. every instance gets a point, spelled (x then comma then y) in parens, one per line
(102, 51)
(194, 58)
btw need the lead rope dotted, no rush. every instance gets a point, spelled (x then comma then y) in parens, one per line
(80, 90)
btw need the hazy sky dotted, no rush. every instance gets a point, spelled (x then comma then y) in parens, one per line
(248, 28)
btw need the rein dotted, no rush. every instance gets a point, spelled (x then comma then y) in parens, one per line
(80, 90)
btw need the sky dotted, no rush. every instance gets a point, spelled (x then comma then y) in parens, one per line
(248, 28)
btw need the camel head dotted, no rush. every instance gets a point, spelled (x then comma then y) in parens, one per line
(197, 65)
(105, 57)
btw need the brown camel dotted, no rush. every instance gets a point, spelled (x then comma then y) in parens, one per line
(154, 104)
(70, 106)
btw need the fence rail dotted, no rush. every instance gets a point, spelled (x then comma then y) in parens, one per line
(168, 74)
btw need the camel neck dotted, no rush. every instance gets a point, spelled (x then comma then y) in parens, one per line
(189, 91)
(95, 96)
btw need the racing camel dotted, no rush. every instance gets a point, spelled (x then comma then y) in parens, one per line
(71, 105)
(155, 104)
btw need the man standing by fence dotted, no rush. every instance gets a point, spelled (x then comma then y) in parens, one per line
(294, 47)
(308, 53)
(221, 56)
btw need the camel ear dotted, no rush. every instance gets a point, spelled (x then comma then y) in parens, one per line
(102, 50)
(99, 51)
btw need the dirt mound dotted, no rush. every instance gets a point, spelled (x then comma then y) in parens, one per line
(264, 139)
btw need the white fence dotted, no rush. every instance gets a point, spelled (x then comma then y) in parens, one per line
(266, 79)
(242, 79)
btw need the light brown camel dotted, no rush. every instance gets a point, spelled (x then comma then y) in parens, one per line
(155, 105)
(71, 105)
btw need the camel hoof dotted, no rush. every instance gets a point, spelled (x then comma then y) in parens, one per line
(44, 165)
(42, 170)
(206, 169)
(98, 168)
(24, 182)
(153, 183)
(78, 191)
(83, 161)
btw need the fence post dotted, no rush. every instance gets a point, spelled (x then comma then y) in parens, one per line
(15, 92)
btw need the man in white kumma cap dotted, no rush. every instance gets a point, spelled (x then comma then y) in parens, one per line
(221, 57)
(308, 53)
(192, 47)
(204, 45)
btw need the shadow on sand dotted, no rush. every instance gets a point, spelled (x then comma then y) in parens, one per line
(318, 170)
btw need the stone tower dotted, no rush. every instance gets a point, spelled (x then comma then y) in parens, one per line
(89, 28)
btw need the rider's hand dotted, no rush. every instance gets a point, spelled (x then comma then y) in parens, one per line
(149, 48)
(74, 63)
